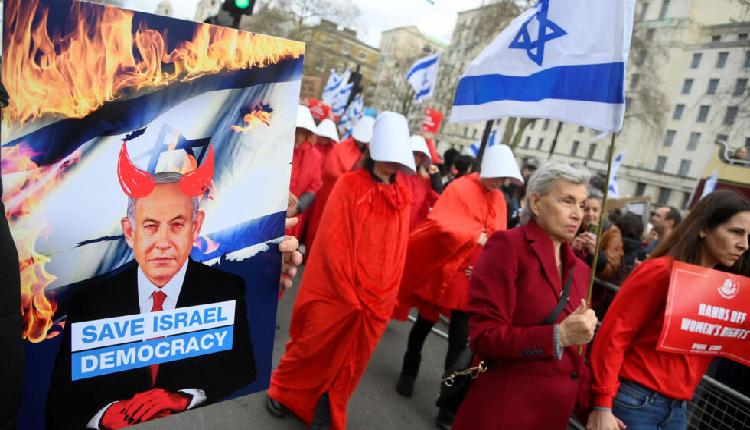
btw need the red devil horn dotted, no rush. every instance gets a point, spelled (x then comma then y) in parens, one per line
(196, 182)
(135, 182)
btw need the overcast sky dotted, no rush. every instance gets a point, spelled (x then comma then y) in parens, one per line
(435, 20)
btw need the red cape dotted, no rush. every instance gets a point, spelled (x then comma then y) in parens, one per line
(445, 244)
(347, 295)
(423, 197)
(306, 177)
(341, 159)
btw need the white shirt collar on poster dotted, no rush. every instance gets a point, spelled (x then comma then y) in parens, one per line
(172, 289)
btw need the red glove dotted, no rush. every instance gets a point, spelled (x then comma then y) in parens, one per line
(155, 403)
(114, 416)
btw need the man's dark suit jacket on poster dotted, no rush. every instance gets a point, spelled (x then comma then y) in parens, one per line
(71, 404)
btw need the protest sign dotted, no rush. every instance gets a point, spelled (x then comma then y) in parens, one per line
(145, 165)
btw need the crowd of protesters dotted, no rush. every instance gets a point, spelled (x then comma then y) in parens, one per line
(505, 253)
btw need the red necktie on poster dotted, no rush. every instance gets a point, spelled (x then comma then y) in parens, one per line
(706, 313)
(158, 296)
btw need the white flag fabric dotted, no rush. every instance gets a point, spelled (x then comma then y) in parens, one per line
(423, 75)
(613, 189)
(710, 185)
(562, 59)
(352, 115)
(332, 86)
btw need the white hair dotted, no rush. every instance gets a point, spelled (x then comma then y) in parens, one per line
(546, 174)
(162, 178)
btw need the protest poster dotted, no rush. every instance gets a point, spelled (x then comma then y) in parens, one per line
(145, 165)
(706, 313)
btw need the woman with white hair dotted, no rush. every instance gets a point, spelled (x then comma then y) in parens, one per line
(527, 313)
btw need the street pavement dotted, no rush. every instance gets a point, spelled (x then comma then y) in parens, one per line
(374, 406)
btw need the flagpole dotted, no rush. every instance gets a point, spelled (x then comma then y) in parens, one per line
(599, 234)
(485, 138)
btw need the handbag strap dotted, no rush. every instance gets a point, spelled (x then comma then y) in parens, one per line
(564, 297)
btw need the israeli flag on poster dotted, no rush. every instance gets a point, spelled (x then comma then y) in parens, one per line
(613, 190)
(562, 59)
(473, 149)
(423, 75)
(710, 185)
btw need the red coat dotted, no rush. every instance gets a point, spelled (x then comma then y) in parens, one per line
(347, 295)
(515, 286)
(341, 159)
(442, 247)
(306, 178)
(423, 198)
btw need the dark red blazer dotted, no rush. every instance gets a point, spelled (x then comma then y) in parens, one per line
(515, 286)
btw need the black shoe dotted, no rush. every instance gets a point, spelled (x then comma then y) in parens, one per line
(322, 418)
(444, 420)
(275, 408)
(405, 385)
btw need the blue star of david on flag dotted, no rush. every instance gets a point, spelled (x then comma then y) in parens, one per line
(547, 31)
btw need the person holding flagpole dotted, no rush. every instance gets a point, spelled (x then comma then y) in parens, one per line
(636, 386)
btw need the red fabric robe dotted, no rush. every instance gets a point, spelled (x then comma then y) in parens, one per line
(324, 150)
(347, 294)
(306, 177)
(341, 159)
(423, 197)
(445, 244)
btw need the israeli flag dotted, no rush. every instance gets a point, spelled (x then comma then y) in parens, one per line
(332, 86)
(352, 115)
(423, 75)
(710, 185)
(473, 149)
(613, 190)
(562, 59)
(342, 96)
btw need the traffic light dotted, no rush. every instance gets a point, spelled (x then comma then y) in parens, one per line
(237, 8)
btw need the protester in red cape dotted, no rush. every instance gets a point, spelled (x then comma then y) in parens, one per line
(162, 222)
(442, 252)
(633, 383)
(11, 349)
(342, 159)
(326, 138)
(610, 250)
(426, 185)
(536, 376)
(306, 176)
(350, 283)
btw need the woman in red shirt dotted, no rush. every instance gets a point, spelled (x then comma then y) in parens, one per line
(636, 386)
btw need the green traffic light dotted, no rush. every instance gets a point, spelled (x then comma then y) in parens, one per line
(242, 4)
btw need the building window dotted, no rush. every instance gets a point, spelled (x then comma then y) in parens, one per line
(678, 110)
(663, 10)
(721, 60)
(644, 9)
(664, 194)
(497, 121)
(687, 85)
(747, 59)
(747, 143)
(362, 56)
(685, 200)
(703, 113)
(721, 138)
(650, 34)
(684, 168)
(640, 189)
(474, 133)
(592, 151)
(661, 161)
(742, 36)
(713, 84)
(739, 87)
(669, 137)
(730, 115)
(634, 80)
(540, 144)
(532, 124)
(696, 61)
(546, 124)
(574, 151)
(466, 131)
(628, 102)
(527, 143)
(580, 129)
(695, 137)
(716, 38)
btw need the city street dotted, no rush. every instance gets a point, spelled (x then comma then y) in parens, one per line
(374, 406)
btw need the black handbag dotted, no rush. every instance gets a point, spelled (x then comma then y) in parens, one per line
(459, 375)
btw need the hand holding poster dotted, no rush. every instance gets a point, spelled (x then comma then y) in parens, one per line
(707, 313)
(145, 165)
